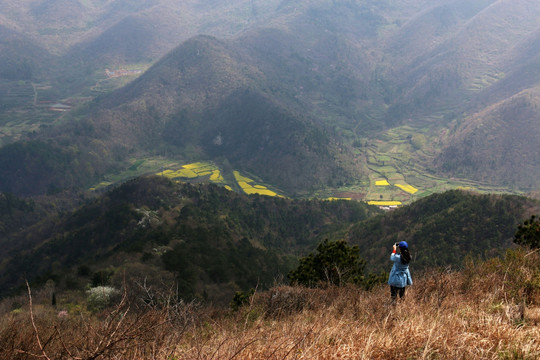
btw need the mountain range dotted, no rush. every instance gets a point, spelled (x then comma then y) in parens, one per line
(307, 95)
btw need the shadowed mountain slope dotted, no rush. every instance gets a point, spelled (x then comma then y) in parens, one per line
(466, 43)
(21, 58)
(499, 145)
(205, 94)
(213, 240)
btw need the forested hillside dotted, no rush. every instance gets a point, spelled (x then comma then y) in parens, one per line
(139, 139)
(445, 229)
(213, 240)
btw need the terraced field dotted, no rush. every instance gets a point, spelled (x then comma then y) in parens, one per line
(205, 171)
(193, 171)
(394, 164)
(396, 167)
(249, 186)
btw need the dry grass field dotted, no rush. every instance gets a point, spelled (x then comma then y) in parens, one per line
(488, 310)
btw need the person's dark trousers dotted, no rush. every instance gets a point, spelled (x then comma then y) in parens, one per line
(394, 291)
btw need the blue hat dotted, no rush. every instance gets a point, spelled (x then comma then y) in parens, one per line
(403, 245)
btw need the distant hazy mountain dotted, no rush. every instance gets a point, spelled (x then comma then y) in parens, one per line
(288, 90)
(500, 144)
(66, 25)
(21, 58)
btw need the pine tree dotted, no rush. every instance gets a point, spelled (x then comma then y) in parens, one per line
(335, 262)
(528, 233)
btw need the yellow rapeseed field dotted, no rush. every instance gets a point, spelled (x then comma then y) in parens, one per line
(199, 169)
(408, 188)
(249, 188)
(216, 176)
(194, 170)
(239, 177)
(384, 203)
(181, 173)
(194, 165)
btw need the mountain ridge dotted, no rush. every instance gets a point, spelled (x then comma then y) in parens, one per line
(341, 70)
(216, 241)
(197, 230)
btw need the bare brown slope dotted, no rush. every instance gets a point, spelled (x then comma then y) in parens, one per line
(498, 145)
(488, 311)
(465, 43)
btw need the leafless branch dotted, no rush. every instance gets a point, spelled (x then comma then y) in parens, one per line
(36, 332)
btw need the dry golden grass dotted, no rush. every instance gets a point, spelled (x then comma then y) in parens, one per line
(486, 311)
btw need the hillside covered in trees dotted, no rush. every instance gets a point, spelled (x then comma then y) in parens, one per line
(310, 96)
(209, 238)
(212, 242)
(443, 229)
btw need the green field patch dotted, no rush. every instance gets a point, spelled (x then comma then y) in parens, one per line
(136, 165)
(485, 80)
(386, 169)
(383, 158)
(101, 185)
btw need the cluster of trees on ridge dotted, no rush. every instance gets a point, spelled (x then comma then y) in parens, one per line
(209, 238)
(214, 242)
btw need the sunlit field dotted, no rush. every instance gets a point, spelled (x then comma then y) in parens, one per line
(249, 187)
(194, 170)
(384, 203)
(407, 188)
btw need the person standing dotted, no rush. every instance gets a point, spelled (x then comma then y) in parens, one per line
(400, 276)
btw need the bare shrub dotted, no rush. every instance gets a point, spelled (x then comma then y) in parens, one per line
(286, 300)
(514, 278)
(486, 311)
(119, 332)
(435, 286)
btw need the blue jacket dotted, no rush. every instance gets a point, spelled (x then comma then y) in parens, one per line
(399, 275)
